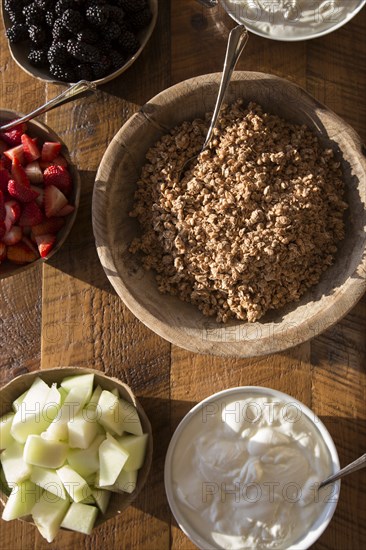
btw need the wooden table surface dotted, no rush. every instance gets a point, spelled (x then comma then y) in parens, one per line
(66, 312)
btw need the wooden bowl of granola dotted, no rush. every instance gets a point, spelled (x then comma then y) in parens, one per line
(277, 304)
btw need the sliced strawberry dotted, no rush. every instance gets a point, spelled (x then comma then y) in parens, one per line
(18, 173)
(50, 150)
(20, 253)
(12, 213)
(13, 236)
(4, 178)
(65, 211)
(54, 200)
(34, 172)
(2, 229)
(40, 199)
(57, 161)
(15, 153)
(21, 192)
(6, 163)
(2, 206)
(2, 252)
(58, 176)
(30, 148)
(45, 244)
(49, 226)
(14, 136)
(31, 215)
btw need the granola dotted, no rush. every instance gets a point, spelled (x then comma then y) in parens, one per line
(252, 225)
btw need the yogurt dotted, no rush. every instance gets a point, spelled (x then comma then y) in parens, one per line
(244, 471)
(292, 19)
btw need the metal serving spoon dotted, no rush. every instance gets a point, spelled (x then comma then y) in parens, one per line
(238, 37)
(71, 92)
(353, 467)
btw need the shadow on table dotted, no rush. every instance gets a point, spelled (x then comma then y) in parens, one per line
(349, 435)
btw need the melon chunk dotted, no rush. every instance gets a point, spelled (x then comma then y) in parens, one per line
(79, 380)
(81, 431)
(112, 458)
(48, 514)
(14, 467)
(117, 415)
(18, 401)
(126, 482)
(80, 517)
(74, 402)
(29, 418)
(86, 461)
(136, 446)
(6, 438)
(21, 500)
(74, 484)
(49, 480)
(44, 452)
(102, 498)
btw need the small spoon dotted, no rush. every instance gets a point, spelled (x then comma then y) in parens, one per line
(238, 37)
(65, 96)
(353, 467)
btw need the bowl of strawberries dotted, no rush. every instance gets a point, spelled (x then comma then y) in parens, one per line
(39, 194)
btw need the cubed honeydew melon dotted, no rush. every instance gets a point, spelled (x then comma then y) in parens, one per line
(88, 500)
(102, 498)
(18, 401)
(74, 484)
(21, 500)
(63, 392)
(44, 452)
(81, 431)
(52, 404)
(49, 480)
(74, 402)
(14, 467)
(86, 461)
(117, 415)
(91, 408)
(29, 418)
(48, 514)
(112, 458)
(79, 380)
(80, 517)
(126, 481)
(135, 445)
(6, 438)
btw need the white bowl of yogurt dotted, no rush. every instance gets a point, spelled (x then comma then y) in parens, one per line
(242, 471)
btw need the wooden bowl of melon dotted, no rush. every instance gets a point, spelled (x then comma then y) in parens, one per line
(76, 449)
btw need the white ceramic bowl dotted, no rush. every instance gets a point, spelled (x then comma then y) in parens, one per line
(189, 429)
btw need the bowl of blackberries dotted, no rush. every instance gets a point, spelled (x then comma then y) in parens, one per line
(71, 40)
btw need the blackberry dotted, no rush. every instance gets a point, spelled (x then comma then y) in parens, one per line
(84, 72)
(16, 16)
(83, 52)
(50, 18)
(17, 33)
(117, 59)
(101, 68)
(59, 32)
(43, 5)
(63, 5)
(62, 72)
(88, 36)
(57, 54)
(36, 34)
(32, 14)
(97, 15)
(133, 5)
(73, 21)
(139, 19)
(128, 43)
(117, 15)
(38, 58)
(111, 31)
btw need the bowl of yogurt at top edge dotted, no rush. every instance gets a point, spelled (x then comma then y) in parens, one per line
(242, 470)
(292, 20)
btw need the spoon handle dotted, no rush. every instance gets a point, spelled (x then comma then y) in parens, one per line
(238, 37)
(353, 467)
(65, 96)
